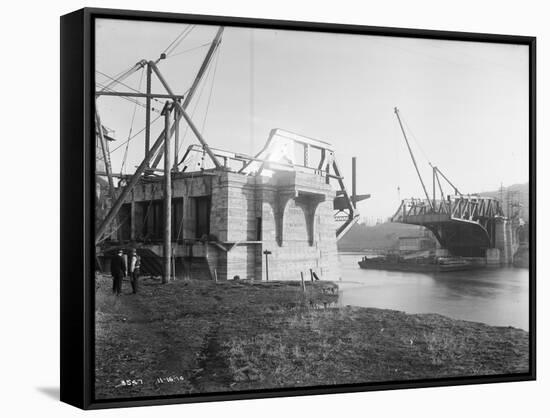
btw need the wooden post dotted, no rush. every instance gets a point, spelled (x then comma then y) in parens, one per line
(266, 252)
(132, 220)
(167, 251)
(216, 275)
(303, 282)
(266, 268)
(311, 274)
(173, 263)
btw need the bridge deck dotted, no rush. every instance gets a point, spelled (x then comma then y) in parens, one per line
(463, 224)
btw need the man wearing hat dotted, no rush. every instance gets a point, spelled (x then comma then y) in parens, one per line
(118, 271)
(135, 266)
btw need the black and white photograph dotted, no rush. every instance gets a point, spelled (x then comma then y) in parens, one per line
(291, 209)
(273, 209)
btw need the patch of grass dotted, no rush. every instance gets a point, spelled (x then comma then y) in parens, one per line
(244, 335)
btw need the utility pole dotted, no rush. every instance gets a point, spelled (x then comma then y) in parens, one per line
(167, 250)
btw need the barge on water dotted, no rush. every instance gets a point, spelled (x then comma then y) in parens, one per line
(420, 264)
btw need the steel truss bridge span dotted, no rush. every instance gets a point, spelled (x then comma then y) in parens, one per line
(464, 224)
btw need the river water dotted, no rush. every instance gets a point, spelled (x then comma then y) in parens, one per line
(493, 296)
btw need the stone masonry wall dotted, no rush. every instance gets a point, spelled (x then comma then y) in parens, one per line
(294, 211)
(296, 248)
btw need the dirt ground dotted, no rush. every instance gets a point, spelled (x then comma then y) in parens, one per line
(202, 336)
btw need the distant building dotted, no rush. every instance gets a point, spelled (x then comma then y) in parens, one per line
(417, 243)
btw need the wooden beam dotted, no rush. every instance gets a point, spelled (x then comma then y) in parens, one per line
(186, 117)
(105, 152)
(343, 187)
(192, 90)
(131, 184)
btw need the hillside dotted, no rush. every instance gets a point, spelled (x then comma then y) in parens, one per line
(378, 237)
(385, 235)
(511, 195)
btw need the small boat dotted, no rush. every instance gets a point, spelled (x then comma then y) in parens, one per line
(420, 264)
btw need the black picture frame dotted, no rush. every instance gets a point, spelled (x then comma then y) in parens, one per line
(77, 203)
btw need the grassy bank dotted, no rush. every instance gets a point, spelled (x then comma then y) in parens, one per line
(191, 336)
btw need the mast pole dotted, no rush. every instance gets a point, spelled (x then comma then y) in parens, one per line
(412, 157)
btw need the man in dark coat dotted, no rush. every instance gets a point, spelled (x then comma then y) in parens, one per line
(135, 270)
(118, 271)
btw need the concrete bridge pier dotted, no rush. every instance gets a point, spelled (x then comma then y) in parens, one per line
(440, 251)
(504, 243)
(492, 257)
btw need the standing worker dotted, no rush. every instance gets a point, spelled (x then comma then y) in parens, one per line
(135, 265)
(118, 271)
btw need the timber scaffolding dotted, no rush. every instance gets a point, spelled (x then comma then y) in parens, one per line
(216, 213)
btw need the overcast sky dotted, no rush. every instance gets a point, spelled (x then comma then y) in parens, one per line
(465, 104)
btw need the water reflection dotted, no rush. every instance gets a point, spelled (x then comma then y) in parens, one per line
(492, 296)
